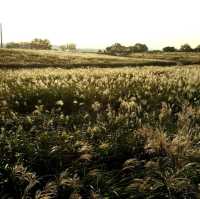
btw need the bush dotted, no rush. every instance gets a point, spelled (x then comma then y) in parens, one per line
(12, 45)
(41, 44)
(139, 48)
(117, 49)
(63, 47)
(186, 48)
(169, 49)
(71, 46)
(197, 49)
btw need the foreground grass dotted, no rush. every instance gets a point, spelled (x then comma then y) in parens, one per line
(100, 133)
(34, 58)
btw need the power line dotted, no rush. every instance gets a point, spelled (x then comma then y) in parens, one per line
(1, 34)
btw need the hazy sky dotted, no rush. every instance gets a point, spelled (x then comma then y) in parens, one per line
(99, 23)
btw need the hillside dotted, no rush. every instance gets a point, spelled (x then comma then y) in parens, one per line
(181, 58)
(43, 58)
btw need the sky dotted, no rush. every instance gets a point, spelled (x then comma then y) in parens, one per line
(100, 23)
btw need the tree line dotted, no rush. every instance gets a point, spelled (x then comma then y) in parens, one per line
(39, 44)
(115, 49)
(183, 48)
(118, 49)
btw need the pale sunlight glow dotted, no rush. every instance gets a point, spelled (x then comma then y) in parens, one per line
(99, 23)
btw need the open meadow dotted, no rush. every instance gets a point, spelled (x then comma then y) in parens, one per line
(18, 58)
(100, 133)
(180, 58)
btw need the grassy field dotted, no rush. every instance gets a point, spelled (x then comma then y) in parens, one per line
(16, 58)
(181, 58)
(49, 58)
(100, 133)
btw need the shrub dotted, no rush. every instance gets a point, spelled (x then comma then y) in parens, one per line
(12, 45)
(197, 49)
(186, 48)
(117, 49)
(139, 48)
(169, 49)
(40, 44)
(71, 46)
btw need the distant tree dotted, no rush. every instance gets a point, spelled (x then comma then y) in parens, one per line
(63, 47)
(12, 45)
(114, 49)
(22, 45)
(197, 49)
(138, 48)
(41, 44)
(100, 52)
(117, 49)
(71, 46)
(169, 49)
(186, 48)
(25, 45)
(34, 44)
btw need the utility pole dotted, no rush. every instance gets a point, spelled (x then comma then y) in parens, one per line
(1, 35)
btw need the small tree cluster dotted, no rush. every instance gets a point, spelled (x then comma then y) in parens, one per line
(186, 48)
(138, 48)
(169, 49)
(183, 48)
(69, 47)
(197, 49)
(23, 45)
(39, 44)
(118, 49)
